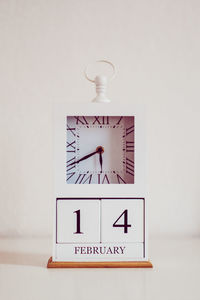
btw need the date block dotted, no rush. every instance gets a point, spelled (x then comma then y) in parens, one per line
(78, 221)
(122, 220)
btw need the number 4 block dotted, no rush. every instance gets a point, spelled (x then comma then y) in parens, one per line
(122, 220)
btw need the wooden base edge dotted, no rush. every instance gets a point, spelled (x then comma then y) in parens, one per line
(110, 264)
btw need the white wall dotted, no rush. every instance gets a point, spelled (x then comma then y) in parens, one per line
(44, 46)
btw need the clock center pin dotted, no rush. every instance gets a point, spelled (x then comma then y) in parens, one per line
(100, 149)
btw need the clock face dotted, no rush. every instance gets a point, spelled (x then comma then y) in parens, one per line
(100, 149)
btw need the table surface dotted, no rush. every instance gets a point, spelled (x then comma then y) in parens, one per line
(176, 274)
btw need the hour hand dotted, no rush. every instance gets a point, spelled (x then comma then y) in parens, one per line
(100, 150)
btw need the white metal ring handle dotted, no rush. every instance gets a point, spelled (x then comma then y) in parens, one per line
(100, 61)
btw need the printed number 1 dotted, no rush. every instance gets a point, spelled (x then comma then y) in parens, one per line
(125, 225)
(78, 222)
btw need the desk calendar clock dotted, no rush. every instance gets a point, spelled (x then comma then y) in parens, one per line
(99, 202)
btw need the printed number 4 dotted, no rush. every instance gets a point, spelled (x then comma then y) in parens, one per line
(125, 224)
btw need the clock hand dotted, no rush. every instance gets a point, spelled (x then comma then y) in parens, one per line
(83, 158)
(98, 150)
(100, 160)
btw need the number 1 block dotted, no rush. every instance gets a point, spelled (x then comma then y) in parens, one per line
(122, 221)
(78, 221)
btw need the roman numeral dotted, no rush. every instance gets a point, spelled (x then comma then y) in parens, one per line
(70, 168)
(101, 120)
(71, 147)
(119, 179)
(119, 121)
(96, 120)
(104, 180)
(69, 164)
(83, 179)
(71, 130)
(130, 166)
(129, 130)
(81, 120)
(129, 146)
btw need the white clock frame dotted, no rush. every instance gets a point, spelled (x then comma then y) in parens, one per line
(63, 190)
(131, 190)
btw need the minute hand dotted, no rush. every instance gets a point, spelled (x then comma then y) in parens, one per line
(83, 158)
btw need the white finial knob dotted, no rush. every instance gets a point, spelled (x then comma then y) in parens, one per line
(101, 84)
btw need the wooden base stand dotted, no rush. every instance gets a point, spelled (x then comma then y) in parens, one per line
(110, 264)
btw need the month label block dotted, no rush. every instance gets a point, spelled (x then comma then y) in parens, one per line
(100, 252)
